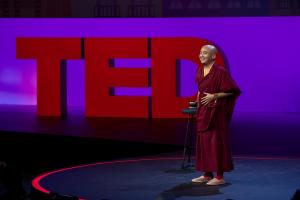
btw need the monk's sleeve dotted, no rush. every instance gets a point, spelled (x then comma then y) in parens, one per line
(228, 85)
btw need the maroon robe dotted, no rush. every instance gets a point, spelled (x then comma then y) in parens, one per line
(213, 153)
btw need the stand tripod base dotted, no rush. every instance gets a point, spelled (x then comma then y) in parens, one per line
(188, 167)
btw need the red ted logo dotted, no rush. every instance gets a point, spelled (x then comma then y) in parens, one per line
(100, 77)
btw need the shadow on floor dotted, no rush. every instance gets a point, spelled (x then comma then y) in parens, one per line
(190, 189)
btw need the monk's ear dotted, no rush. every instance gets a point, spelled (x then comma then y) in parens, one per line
(213, 56)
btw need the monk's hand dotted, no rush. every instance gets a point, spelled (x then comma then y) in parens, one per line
(207, 99)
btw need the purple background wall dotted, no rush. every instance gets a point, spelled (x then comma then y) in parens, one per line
(262, 54)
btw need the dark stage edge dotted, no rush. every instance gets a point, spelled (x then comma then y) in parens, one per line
(160, 178)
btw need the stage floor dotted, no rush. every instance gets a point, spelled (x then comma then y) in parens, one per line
(161, 178)
(251, 133)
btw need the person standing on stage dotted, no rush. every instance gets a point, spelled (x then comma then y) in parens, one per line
(217, 93)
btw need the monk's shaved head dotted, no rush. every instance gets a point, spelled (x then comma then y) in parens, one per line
(211, 48)
(208, 54)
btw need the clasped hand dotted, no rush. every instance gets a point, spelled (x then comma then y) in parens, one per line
(208, 98)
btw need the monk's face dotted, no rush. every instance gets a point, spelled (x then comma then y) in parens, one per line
(206, 55)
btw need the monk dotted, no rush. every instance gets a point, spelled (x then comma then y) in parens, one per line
(217, 93)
